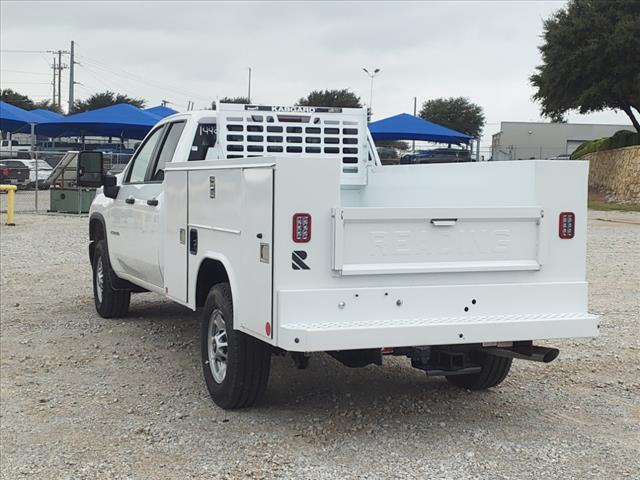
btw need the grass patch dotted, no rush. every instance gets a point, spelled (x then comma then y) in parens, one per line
(596, 203)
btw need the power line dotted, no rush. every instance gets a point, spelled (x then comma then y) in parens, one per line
(22, 51)
(97, 77)
(133, 77)
(24, 72)
(4, 82)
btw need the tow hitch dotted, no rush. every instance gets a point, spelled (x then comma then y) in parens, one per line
(464, 359)
(438, 361)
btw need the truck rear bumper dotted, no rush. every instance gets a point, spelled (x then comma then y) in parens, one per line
(345, 319)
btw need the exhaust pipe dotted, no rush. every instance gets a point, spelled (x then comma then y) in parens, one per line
(525, 352)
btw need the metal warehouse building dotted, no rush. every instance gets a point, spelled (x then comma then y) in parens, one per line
(527, 140)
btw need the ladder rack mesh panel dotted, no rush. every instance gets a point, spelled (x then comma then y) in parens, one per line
(257, 131)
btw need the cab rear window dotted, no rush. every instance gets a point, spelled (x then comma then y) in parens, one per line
(204, 139)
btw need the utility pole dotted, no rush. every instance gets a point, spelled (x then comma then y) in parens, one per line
(71, 77)
(59, 78)
(249, 91)
(415, 109)
(59, 67)
(53, 98)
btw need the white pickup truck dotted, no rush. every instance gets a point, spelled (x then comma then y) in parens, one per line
(283, 227)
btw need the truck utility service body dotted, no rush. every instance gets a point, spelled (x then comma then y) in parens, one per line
(321, 248)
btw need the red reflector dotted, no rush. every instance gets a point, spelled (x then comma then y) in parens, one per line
(567, 225)
(5, 172)
(267, 329)
(387, 351)
(301, 227)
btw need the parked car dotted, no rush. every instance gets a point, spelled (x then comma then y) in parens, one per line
(14, 172)
(437, 155)
(388, 155)
(43, 170)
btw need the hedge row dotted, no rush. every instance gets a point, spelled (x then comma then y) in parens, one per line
(622, 138)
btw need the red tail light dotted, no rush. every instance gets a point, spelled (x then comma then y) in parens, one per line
(567, 225)
(301, 227)
(5, 172)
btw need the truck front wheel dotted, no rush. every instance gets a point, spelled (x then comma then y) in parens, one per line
(110, 303)
(235, 365)
(494, 371)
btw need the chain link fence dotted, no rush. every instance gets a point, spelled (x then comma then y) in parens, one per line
(51, 190)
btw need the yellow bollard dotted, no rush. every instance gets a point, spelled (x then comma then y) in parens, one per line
(11, 201)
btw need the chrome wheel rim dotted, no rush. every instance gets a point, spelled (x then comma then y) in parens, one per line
(99, 279)
(217, 345)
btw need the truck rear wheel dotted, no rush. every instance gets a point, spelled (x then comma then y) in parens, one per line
(110, 303)
(494, 371)
(235, 365)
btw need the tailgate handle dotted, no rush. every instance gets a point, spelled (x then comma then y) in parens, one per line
(443, 222)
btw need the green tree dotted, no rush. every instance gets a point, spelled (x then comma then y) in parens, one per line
(105, 99)
(48, 105)
(242, 100)
(457, 113)
(558, 118)
(16, 99)
(590, 59)
(331, 98)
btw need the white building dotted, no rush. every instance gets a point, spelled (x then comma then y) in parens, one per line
(533, 140)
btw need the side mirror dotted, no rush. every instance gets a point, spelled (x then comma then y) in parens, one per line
(90, 166)
(111, 187)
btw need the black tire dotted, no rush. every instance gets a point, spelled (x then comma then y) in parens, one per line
(494, 371)
(247, 360)
(110, 303)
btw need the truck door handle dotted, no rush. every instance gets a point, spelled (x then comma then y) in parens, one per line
(153, 202)
(130, 200)
(193, 241)
(443, 222)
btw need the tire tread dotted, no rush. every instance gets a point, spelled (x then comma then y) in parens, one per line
(247, 369)
(115, 303)
(494, 370)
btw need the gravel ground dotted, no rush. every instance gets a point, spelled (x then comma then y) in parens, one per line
(86, 398)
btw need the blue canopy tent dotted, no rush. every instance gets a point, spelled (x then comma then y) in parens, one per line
(45, 115)
(161, 111)
(14, 119)
(408, 127)
(121, 120)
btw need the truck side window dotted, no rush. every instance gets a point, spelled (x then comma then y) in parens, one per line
(204, 139)
(144, 154)
(167, 150)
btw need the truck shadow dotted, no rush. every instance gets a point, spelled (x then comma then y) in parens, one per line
(327, 389)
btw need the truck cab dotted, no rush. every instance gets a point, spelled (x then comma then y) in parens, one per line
(281, 225)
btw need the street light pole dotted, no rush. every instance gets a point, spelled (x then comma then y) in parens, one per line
(371, 76)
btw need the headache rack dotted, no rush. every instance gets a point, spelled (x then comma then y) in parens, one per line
(261, 130)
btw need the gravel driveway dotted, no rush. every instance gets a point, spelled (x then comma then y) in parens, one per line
(87, 398)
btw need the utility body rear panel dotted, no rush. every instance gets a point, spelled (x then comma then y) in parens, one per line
(420, 255)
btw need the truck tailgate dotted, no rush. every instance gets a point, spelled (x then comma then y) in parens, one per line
(379, 240)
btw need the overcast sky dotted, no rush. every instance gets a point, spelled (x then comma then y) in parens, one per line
(181, 51)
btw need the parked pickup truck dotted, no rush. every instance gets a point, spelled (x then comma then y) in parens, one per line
(14, 172)
(11, 148)
(280, 224)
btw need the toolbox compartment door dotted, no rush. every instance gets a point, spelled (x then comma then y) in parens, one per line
(378, 240)
(175, 236)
